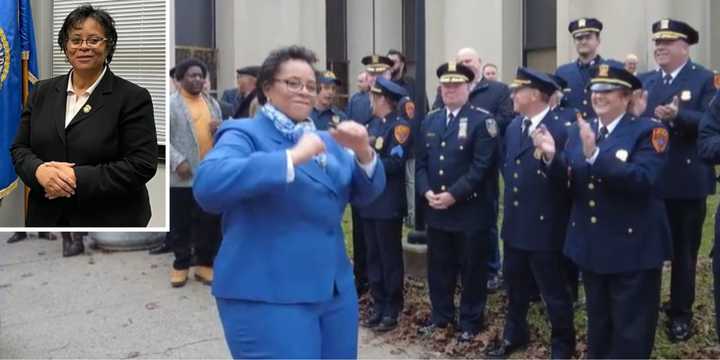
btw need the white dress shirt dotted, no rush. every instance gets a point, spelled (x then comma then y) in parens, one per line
(535, 120)
(75, 101)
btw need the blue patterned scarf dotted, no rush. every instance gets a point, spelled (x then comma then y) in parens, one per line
(291, 130)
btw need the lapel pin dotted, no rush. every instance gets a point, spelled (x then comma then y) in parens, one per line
(86, 109)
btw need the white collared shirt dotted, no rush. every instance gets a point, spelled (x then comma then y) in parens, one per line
(535, 120)
(610, 127)
(675, 72)
(75, 101)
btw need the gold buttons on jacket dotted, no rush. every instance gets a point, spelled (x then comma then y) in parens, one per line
(516, 203)
(442, 144)
(630, 231)
(517, 162)
(515, 175)
(689, 161)
(443, 188)
(515, 189)
(461, 147)
(593, 219)
(591, 186)
(542, 218)
(591, 203)
(442, 157)
(441, 172)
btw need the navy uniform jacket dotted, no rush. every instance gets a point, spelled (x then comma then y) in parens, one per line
(322, 119)
(358, 108)
(617, 222)
(709, 137)
(392, 204)
(685, 176)
(459, 162)
(578, 77)
(492, 96)
(536, 206)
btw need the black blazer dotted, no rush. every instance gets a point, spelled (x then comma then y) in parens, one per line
(113, 144)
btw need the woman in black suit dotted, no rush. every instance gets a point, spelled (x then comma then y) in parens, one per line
(86, 145)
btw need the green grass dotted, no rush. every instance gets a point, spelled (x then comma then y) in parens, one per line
(702, 345)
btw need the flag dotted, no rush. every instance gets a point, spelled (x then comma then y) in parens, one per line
(17, 41)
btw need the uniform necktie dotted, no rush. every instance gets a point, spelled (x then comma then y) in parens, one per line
(667, 79)
(526, 127)
(603, 134)
(450, 119)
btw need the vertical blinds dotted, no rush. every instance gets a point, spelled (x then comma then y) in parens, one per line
(140, 52)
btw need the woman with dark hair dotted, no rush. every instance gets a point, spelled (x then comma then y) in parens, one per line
(89, 167)
(283, 283)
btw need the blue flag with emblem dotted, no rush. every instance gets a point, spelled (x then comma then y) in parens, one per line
(17, 42)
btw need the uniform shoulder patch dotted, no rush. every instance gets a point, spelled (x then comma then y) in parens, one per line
(491, 127)
(717, 81)
(659, 139)
(401, 133)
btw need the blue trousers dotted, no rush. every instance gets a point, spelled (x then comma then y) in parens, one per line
(622, 312)
(310, 330)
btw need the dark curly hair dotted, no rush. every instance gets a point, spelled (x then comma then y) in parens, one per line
(78, 16)
(185, 65)
(277, 57)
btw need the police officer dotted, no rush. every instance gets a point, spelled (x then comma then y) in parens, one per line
(535, 218)
(453, 173)
(618, 233)
(324, 112)
(358, 110)
(382, 219)
(709, 150)
(494, 97)
(586, 35)
(678, 94)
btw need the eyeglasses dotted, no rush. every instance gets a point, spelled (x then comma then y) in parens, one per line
(296, 85)
(92, 42)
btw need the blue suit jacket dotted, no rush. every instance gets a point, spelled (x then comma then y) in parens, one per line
(537, 206)
(617, 221)
(462, 164)
(282, 242)
(392, 204)
(578, 78)
(685, 176)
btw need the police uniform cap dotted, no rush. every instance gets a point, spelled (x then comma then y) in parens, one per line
(527, 77)
(453, 73)
(388, 88)
(585, 25)
(377, 63)
(328, 77)
(606, 77)
(673, 29)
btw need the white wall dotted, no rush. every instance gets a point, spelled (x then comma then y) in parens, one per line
(492, 27)
(247, 30)
(388, 31)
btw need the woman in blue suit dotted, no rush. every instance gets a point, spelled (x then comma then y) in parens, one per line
(283, 283)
